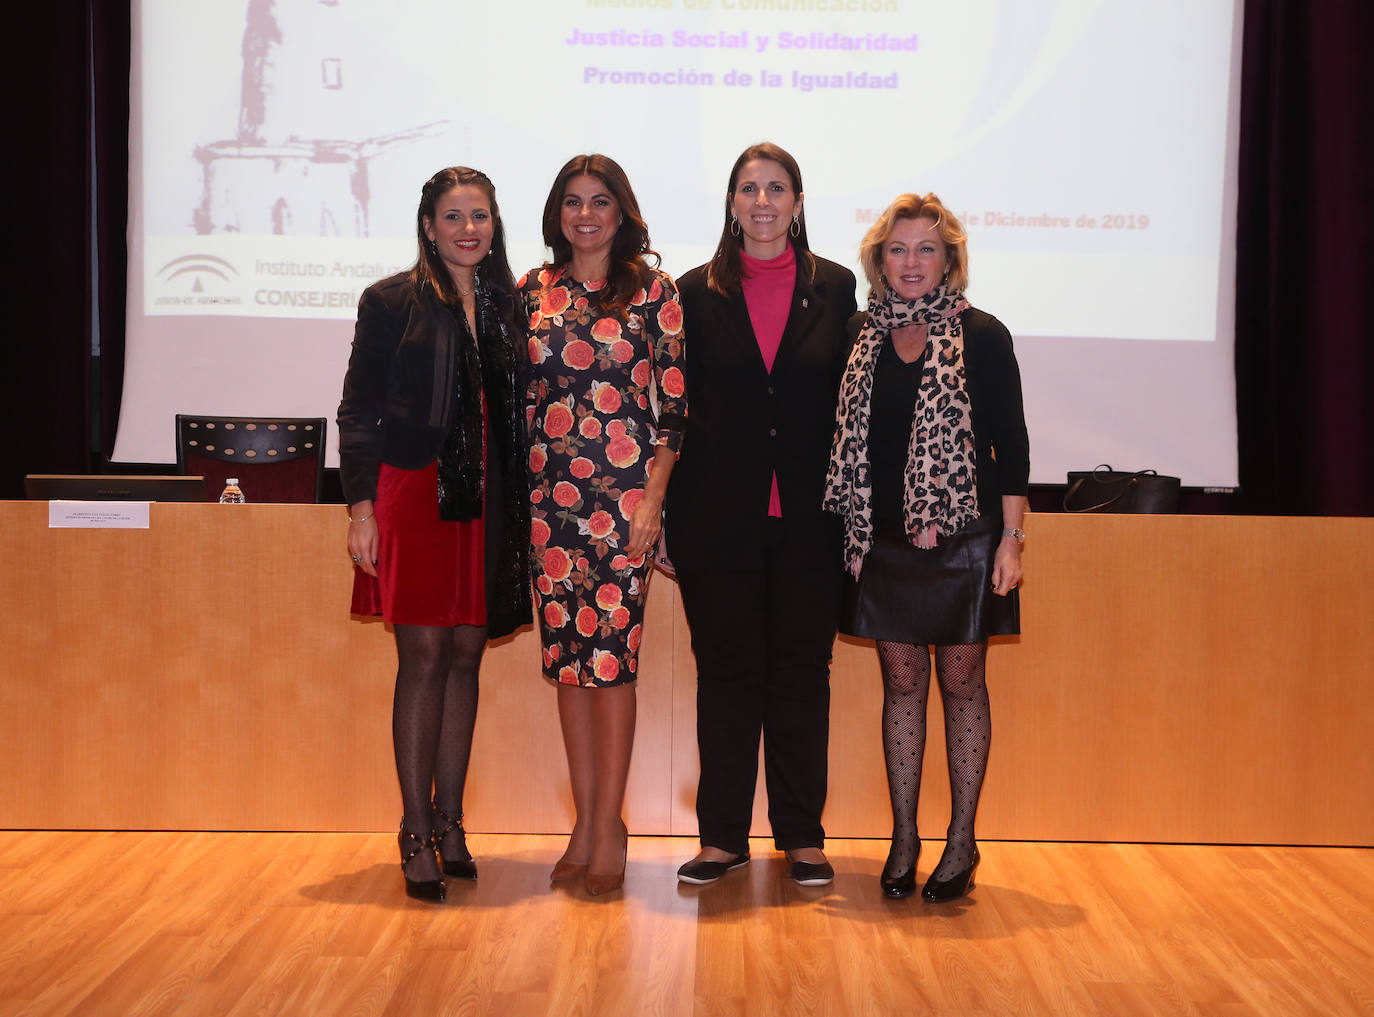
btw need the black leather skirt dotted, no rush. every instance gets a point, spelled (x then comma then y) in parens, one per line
(941, 595)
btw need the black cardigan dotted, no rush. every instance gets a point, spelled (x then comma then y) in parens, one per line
(747, 422)
(399, 402)
(1002, 448)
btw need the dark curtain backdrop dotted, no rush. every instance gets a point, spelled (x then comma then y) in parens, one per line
(47, 426)
(110, 68)
(1305, 266)
(1304, 342)
(67, 73)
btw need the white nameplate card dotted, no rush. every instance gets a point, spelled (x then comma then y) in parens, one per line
(98, 515)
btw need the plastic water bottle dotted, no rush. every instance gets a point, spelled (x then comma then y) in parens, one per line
(232, 494)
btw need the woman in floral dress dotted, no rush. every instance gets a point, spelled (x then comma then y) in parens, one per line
(603, 325)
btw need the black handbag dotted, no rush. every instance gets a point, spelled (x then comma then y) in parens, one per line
(1109, 490)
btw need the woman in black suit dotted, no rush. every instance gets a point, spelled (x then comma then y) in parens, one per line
(431, 458)
(758, 562)
(929, 474)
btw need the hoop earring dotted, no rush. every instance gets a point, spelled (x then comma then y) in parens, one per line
(734, 225)
(795, 228)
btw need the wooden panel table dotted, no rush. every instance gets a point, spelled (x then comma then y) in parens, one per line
(1180, 679)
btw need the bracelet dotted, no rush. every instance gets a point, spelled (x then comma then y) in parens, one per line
(671, 440)
(1018, 533)
(364, 518)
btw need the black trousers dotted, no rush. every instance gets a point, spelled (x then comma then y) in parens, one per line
(763, 640)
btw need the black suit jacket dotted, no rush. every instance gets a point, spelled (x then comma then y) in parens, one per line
(746, 422)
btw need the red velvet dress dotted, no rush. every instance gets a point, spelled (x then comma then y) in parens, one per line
(429, 572)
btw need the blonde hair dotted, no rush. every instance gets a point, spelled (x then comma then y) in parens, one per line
(912, 206)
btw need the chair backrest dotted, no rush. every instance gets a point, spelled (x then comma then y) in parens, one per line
(276, 459)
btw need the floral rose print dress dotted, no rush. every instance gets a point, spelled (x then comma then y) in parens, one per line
(591, 448)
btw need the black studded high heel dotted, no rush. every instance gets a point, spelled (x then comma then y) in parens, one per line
(419, 889)
(943, 890)
(462, 867)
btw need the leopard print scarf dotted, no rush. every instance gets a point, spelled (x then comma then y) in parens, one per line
(941, 496)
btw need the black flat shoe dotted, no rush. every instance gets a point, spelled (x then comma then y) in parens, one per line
(940, 891)
(701, 873)
(812, 873)
(431, 890)
(462, 867)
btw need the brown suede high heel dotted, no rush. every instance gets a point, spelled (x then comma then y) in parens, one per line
(565, 871)
(599, 883)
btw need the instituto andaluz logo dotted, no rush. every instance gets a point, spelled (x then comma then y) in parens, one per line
(196, 280)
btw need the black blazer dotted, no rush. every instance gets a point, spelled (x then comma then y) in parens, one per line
(398, 394)
(746, 422)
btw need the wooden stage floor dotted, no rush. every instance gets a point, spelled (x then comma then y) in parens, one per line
(202, 924)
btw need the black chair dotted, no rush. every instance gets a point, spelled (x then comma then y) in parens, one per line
(275, 459)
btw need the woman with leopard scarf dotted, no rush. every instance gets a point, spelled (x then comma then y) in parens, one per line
(928, 474)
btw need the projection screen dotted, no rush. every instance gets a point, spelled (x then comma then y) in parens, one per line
(277, 148)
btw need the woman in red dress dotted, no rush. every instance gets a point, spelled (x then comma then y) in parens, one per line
(431, 459)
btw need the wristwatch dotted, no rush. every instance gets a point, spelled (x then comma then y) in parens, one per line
(1016, 532)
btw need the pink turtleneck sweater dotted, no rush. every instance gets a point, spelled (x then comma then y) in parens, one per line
(768, 287)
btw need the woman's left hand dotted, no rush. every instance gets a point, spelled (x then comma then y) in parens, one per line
(645, 525)
(1006, 566)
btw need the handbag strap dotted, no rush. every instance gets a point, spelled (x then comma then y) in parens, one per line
(1104, 469)
(1073, 489)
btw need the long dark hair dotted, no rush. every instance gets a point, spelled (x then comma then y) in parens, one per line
(629, 269)
(723, 271)
(494, 271)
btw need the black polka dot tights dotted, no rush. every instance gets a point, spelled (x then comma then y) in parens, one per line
(962, 674)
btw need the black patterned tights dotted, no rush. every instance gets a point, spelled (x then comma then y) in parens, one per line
(961, 671)
(432, 718)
